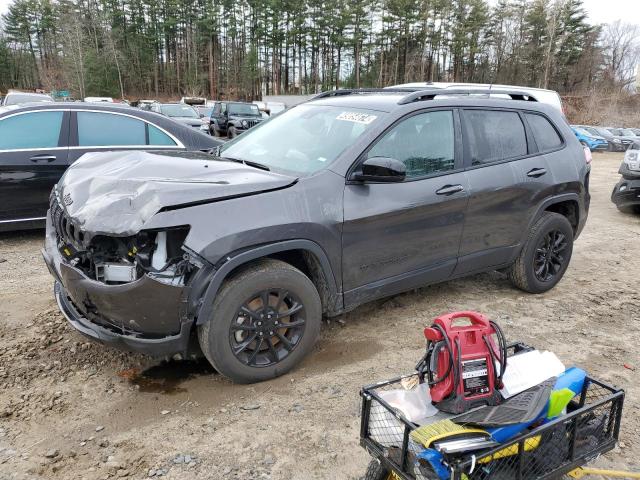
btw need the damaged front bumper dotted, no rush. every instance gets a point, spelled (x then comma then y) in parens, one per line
(626, 193)
(145, 316)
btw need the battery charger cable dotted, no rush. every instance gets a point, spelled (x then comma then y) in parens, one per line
(502, 347)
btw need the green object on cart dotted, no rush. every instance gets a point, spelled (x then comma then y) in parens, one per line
(558, 401)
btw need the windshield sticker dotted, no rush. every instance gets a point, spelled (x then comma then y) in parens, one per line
(356, 117)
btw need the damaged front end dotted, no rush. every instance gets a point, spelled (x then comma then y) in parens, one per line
(129, 291)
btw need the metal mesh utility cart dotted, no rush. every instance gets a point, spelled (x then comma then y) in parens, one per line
(589, 428)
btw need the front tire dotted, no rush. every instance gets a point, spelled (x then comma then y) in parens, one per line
(630, 209)
(231, 133)
(545, 255)
(265, 320)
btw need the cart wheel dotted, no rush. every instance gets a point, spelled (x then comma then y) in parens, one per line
(375, 471)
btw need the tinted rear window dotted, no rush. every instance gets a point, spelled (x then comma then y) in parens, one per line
(495, 135)
(546, 136)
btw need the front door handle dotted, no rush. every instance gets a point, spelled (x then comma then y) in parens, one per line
(43, 158)
(536, 172)
(450, 190)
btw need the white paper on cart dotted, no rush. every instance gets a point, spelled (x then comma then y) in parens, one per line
(529, 369)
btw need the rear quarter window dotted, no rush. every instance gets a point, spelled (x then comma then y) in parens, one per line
(494, 135)
(545, 134)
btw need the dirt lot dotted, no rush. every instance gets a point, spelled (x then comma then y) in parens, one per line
(71, 409)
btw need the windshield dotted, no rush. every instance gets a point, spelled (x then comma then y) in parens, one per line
(582, 131)
(179, 111)
(592, 131)
(628, 132)
(615, 131)
(302, 140)
(243, 109)
(16, 98)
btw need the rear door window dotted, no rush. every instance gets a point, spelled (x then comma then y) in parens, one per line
(97, 129)
(545, 134)
(31, 130)
(494, 136)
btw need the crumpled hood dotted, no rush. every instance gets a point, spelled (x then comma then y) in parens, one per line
(116, 193)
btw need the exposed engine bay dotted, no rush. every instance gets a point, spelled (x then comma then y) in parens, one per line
(118, 260)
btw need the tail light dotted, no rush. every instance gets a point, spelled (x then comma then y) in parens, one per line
(587, 155)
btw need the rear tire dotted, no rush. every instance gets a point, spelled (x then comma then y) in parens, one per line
(241, 342)
(545, 256)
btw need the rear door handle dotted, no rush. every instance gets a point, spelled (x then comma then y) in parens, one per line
(43, 158)
(536, 172)
(450, 190)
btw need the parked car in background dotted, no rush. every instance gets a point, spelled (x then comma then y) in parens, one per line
(626, 137)
(591, 141)
(17, 98)
(39, 141)
(550, 97)
(342, 200)
(98, 99)
(615, 143)
(233, 118)
(626, 193)
(145, 104)
(636, 131)
(193, 101)
(205, 112)
(181, 112)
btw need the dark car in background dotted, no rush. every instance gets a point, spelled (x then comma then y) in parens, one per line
(351, 197)
(39, 141)
(182, 113)
(626, 193)
(626, 136)
(233, 118)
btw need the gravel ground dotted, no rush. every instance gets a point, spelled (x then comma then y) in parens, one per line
(76, 410)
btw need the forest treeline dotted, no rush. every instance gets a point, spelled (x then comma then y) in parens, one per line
(247, 48)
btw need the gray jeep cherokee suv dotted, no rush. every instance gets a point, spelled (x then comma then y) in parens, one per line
(353, 196)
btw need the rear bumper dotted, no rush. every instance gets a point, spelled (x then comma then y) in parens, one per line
(144, 316)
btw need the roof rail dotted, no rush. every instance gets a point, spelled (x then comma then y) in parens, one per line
(357, 91)
(431, 93)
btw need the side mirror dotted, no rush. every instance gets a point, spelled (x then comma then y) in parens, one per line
(381, 169)
(202, 115)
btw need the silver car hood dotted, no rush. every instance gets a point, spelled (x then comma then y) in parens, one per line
(116, 193)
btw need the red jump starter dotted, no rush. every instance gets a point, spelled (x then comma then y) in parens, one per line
(460, 362)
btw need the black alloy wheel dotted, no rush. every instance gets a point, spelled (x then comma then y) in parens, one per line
(545, 255)
(549, 257)
(268, 327)
(265, 319)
